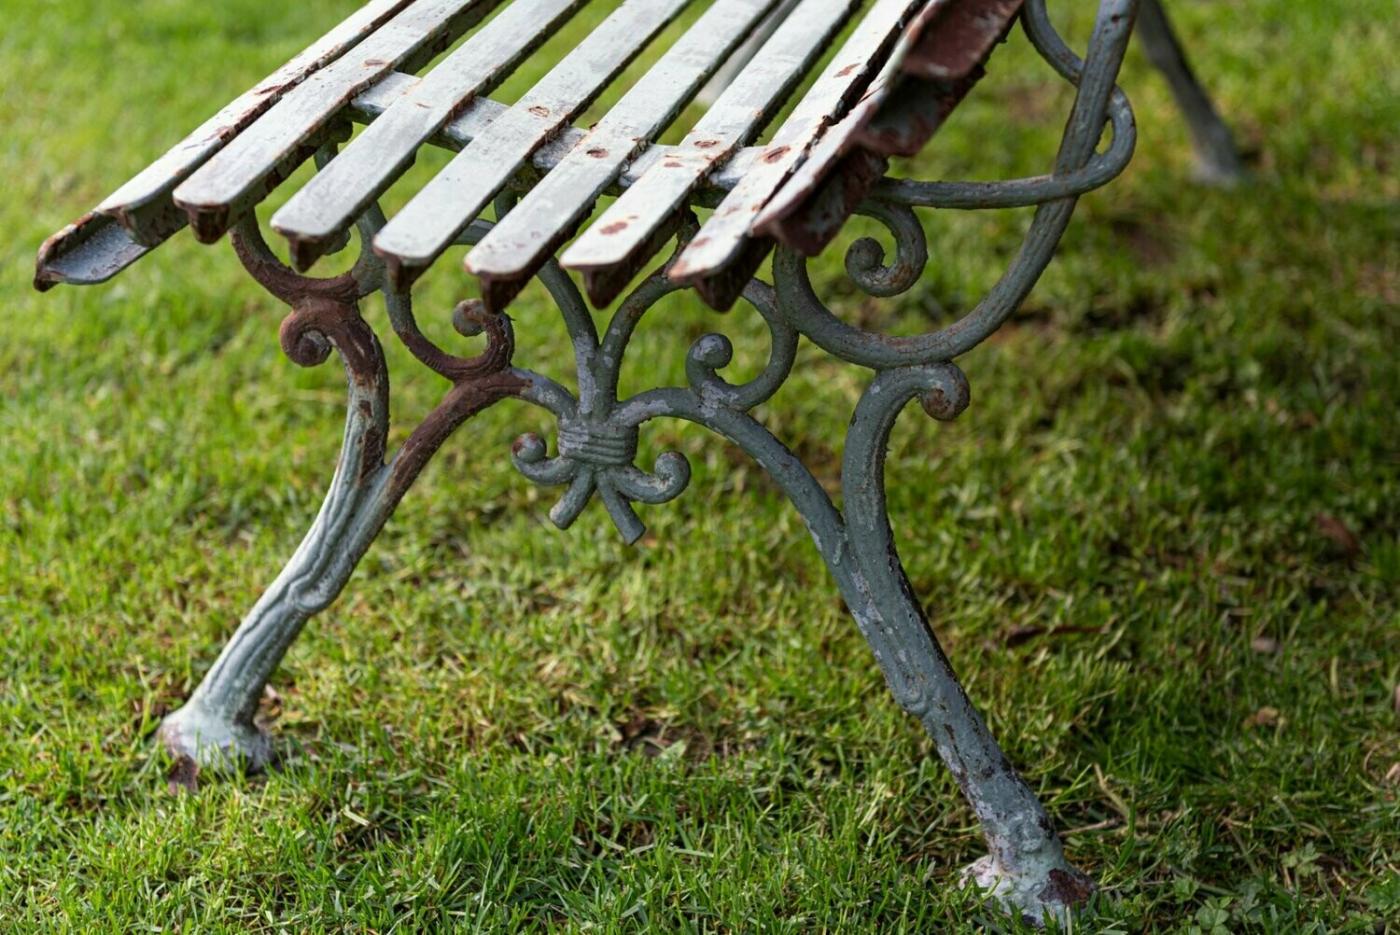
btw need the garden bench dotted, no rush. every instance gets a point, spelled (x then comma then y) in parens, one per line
(900, 70)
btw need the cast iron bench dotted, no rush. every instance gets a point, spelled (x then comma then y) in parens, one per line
(902, 68)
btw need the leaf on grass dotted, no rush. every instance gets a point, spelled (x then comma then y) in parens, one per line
(1338, 533)
(1266, 645)
(1266, 716)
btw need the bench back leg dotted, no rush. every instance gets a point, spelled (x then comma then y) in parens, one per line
(1217, 157)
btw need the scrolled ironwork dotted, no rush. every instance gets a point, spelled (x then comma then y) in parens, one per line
(1097, 102)
(865, 259)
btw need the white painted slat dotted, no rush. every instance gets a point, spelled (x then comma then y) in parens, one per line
(143, 205)
(242, 173)
(517, 245)
(823, 155)
(339, 193)
(977, 25)
(431, 221)
(627, 228)
(724, 237)
(478, 115)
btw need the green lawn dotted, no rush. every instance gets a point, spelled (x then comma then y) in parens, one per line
(1162, 547)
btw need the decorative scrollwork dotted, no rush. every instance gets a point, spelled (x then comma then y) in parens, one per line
(1077, 169)
(865, 260)
(598, 433)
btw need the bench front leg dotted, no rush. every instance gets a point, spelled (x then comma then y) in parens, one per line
(1025, 868)
(216, 728)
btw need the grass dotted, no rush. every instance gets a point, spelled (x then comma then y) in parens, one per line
(1162, 548)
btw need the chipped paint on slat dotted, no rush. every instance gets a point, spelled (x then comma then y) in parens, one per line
(626, 236)
(143, 205)
(91, 250)
(339, 193)
(722, 238)
(431, 221)
(896, 116)
(479, 114)
(517, 246)
(243, 172)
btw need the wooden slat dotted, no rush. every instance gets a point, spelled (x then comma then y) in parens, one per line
(143, 205)
(431, 221)
(949, 39)
(828, 149)
(478, 115)
(314, 218)
(242, 174)
(519, 244)
(92, 249)
(724, 239)
(629, 233)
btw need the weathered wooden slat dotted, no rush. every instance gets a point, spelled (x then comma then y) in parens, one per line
(143, 205)
(835, 141)
(243, 172)
(725, 237)
(519, 244)
(638, 224)
(315, 216)
(429, 223)
(92, 249)
(479, 114)
(896, 115)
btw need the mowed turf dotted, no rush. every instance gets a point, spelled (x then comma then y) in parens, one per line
(1161, 547)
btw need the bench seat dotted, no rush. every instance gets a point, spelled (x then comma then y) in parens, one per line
(420, 73)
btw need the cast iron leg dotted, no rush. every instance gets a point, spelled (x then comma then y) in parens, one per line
(1025, 867)
(1217, 158)
(216, 726)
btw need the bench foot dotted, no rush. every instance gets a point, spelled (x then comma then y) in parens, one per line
(215, 742)
(1043, 889)
(1218, 159)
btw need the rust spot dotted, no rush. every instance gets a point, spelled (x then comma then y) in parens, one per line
(672, 164)
(616, 227)
(183, 776)
(773, 155)
(1067, 889)
(539, 110)
(375, 62)
(952, 39)
(846, 71)
(706, 144)
(598, 152)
